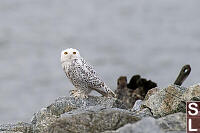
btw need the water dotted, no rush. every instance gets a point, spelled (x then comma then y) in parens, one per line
(151, 38)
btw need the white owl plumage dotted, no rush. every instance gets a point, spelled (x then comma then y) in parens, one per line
(82, 75)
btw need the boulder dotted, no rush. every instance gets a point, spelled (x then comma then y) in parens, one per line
(91, 120)
(48, 116)
(146, 125)
(19, 127)
(175, 123)
(43, 119)
(9, 132)
(171, 99)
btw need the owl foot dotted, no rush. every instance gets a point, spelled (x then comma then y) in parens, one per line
(78, 94)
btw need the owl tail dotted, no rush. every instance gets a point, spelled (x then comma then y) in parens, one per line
(109, 92)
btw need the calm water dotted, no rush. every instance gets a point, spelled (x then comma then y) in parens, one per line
(151, 38)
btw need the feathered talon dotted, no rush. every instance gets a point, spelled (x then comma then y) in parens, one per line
(78, 94)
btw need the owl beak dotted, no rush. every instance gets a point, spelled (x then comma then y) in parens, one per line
(70, 57)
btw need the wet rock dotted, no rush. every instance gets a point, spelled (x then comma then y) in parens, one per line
(171, 99)
(170, 124)
(136, 89)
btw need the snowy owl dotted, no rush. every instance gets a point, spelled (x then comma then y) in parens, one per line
(82, 75)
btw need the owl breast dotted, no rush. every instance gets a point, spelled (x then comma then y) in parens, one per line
(77, 73)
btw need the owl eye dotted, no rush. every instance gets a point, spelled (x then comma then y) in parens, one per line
(74, 52)
(65, 53)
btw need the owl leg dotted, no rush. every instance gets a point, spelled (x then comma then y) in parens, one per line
(72, 92)
(78, 94)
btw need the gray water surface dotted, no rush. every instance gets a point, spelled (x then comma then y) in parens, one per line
(151, 38)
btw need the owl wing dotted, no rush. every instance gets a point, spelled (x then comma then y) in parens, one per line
(88, 66)
(93, 81)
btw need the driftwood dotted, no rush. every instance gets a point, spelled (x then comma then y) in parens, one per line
(136, 89)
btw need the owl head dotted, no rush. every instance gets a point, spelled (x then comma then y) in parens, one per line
(69, 54)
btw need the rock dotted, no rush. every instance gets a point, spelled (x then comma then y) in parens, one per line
(66, 104)
(19, 127)
(171, 99)
(146, 125)
(136, 89)
(9, 132)
(151, 92)
(192, 93)
(92, 120)
(146, 112)
(47, 116)
(137, 105)
(170, 124)
(174, 122)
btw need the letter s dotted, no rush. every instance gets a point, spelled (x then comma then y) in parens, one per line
(193, 108)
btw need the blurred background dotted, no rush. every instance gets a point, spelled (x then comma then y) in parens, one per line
(151, 38)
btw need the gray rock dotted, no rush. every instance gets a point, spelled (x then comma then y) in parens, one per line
(46, 117)
(176, 132)
(9, 132)
(66, 104)
(174, 123)
(171, 99)
(92, 120)
(146, 112)
(146, 125)
(137, 105)
(19, 127)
